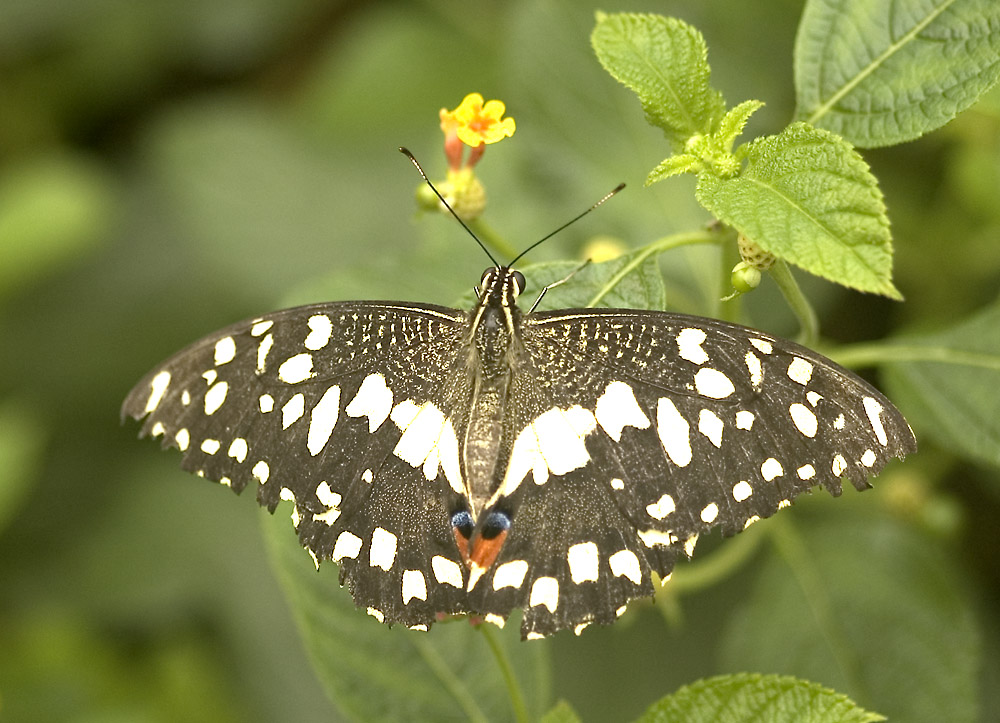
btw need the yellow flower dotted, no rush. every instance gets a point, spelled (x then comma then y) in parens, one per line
(476, 123)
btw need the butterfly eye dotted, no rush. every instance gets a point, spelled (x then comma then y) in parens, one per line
(487, 275)
(519, 282)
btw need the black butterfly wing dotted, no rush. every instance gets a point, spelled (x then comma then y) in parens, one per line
(634, 432)
(311, 405)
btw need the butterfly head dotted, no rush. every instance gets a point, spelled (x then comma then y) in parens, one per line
(500, 285)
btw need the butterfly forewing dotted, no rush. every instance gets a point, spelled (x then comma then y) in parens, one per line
(600, 443)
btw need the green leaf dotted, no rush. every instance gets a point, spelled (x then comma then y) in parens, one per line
(674, 166)
(732, 124)
(372, 672)
(865, 605)
(887, 71)
(747, 698)
(807, 197)
(955, 400)
(562, 712)
(665, 62)
(712, 151)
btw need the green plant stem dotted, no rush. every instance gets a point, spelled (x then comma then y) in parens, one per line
(513, 689)
(720, 565)
(808, 323)
(491, 238)
(861, 355)
(656, 247)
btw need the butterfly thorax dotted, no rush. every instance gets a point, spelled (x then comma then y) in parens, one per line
(494, 349)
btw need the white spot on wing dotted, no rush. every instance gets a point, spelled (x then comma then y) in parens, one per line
(293, 410)
(225, 350)
(839, 465)
(261, 471)
(805, 421)
(709, 513)
(800, 371)
(624, 563)
(266, 403)
(583, 562)
(554, 443)
(656, 538)
(545, 591)
(183, 439)
(260, 327)
(806, 471)
(617, 409)
(215, 396)
(710, 426)
(383, 549)
(429, 440)
(348, 545)
(661, 508)
(742, 491)
(446, 572)
(263, 349)
(510, 574)
(713, 384)
(329, 499)
(373, 400)
(874, 411)
(322, 420)
(771, 469)
(689, 345)
(414, 586)
(744, 419)
(868, 458)
(296, 369)
(157, 388)
(210, 446)
(674, 432)
(326, 496)
(238, 449)
(320, 328)
(754, 368)
(617, 484)
(764, 347)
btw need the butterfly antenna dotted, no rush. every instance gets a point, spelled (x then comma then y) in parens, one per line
(437, 193)
(617, 188)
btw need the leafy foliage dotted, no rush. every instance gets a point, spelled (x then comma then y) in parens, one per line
(884, 72)
(808, 197)
(951, 392)
(748, 697)
(872, 626)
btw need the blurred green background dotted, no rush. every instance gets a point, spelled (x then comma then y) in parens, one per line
(167, 168)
